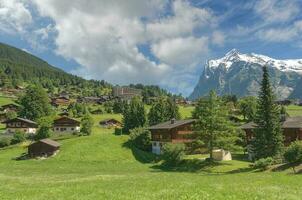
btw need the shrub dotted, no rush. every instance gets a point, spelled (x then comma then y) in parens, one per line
(293, 154)
(141, 138)
(18, 137)
(45, 128)
(87, 123)
(4, 142)
(11, 115)
(263, 163)
(172, 154)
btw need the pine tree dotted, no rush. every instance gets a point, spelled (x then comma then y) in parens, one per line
(134, 115)
(213, 127)
(268, 140)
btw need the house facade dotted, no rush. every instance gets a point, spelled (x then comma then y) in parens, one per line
(60, 101)
(173, 131)
(66, 125)
(20, 124)
(10, 108)
(45, 147)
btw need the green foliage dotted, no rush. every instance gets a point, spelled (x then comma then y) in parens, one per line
(45, 128)
(150, 91)
(173, 154)
(248, 107)
(268, 139)
(134, 115)
(119, 106)
(162, 110)
(11, 115)
(35, 103)
(87, 124)
(293, 154)
(263, 163)
(141, 138)
(5, 141)
(18, 137)
(77, 109)
(213, 127)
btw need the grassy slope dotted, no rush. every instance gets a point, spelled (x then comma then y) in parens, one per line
(102, 167)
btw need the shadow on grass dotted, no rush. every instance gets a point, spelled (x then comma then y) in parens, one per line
(140, 155)
(23, 156)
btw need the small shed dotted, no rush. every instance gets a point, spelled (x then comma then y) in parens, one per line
(110, 123)
(45, 147)
(221, 155)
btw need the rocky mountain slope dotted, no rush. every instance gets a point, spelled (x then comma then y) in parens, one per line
(240, 74)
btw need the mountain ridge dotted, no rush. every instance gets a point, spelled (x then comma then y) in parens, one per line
(240, 74)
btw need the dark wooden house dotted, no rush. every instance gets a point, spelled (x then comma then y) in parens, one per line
(60, 101)
(66, 124)
(21, 124)
(108, 123)
(10, 107)
(45, 148)
(291, 126)
(174, 131)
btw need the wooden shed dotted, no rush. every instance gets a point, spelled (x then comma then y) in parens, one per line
(45, 147)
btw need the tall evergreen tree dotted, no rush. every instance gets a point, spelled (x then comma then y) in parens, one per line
(134, 115)
(268, 140)
(213, 127)
(162, 110)
(35, 103)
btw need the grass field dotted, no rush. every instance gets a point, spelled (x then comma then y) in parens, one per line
(103, 166)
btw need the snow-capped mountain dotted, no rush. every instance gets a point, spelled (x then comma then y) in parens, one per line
(240, 74)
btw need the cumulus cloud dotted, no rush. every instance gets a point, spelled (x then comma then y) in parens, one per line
(14, 16)
(104, 38)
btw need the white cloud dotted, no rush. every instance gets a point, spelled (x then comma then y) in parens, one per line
(277, 10)
(181, 51)
(218, 38)
(104, 37)
(14, 16)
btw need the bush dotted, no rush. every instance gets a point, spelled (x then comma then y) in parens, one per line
(293, 154)
(18, 137)
(45, 128)
(87, 123)
(141, 138)
(172, 154)
(4, 142)
(263, 163)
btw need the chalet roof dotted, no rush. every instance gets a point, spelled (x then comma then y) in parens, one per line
(290, 122)
(20, 119)
(66, 121)
(171, 124)
(50, 142)
(108, 120)
(9, 105)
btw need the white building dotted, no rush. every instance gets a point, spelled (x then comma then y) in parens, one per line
(66, 125)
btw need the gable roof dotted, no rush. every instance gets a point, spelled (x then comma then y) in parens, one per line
(170, 125)
(9, 105)
(20, 119)
(290, 122)
(50, 142)
(109, 120)
(65, 121)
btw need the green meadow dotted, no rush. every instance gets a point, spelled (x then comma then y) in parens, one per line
(105, 166)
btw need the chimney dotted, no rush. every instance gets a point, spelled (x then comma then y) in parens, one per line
(172, 121)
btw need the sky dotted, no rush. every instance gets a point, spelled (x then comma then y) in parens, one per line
(161, 42)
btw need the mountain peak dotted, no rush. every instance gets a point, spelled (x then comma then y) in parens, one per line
(233, 52)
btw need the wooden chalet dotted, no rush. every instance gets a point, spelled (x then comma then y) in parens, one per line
(174, 131)
(45, 148)
(291, 126)
(60, 101)
(66, 124)
(20, 124)
(10, 108)
(108, 123)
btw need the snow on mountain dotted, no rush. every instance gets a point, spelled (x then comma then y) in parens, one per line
(240, 74)
(235, 56)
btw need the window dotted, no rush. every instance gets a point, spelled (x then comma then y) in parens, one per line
(72, 129)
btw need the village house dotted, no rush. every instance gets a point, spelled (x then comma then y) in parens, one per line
(20, 124)
(10, 108)
(109, 123)
(45, 148)
(60, 101)
(291, 126)
(174, 131)
(66, 124)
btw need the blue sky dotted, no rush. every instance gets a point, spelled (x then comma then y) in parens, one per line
(160, 42)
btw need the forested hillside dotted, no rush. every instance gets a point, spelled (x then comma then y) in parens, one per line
(18, 67)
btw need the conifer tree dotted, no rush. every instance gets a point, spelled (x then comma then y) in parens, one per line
(268, 139)
(213, 127)
(134, 115)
